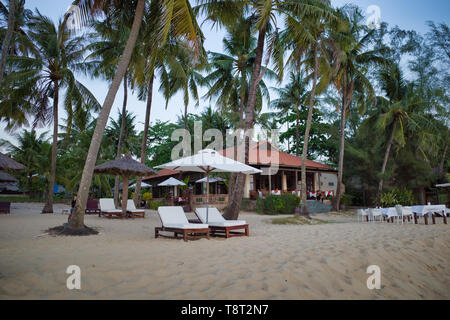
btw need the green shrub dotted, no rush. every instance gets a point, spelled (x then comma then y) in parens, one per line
(147, 196)
(346, 199)
(402, 197)
(154, 205)
(260, 205)
(272, 205)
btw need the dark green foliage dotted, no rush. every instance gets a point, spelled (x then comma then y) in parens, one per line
(272, 205)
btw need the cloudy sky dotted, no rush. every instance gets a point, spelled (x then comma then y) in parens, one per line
(407, 14)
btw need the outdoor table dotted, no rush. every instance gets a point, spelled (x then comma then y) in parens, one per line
(429, 210)
(389, 213)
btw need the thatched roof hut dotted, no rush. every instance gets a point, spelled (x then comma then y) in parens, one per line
(5, 177)
(10, 164)
(125, 167)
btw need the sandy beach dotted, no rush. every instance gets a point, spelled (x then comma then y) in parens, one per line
(125, 261)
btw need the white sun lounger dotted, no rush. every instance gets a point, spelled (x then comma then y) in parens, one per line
(108, 208)
(174, 220)
(219, 226)
(131, 209)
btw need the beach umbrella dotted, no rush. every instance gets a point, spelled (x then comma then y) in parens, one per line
(172, 182)
(211, 180)
(208, 161)
(125, 167)
(10, 164)
(5, 177)
(143, 185)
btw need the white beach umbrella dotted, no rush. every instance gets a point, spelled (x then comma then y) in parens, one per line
(208, 161)
(143, 185)
(172, 182)
(211, 180)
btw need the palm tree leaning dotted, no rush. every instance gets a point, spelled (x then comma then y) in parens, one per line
(402, 108)
(178, 20)
(350, 57)
(44, 74)
(8, 37)
(266, 14)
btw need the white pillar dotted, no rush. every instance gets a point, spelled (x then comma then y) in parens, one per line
(247, 186)
(283, 181)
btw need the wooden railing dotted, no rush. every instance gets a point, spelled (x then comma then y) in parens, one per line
(197, 200)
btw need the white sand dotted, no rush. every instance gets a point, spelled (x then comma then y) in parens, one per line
(276, 262)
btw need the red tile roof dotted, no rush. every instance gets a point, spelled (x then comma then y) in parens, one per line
(162, 173)
(267, 151)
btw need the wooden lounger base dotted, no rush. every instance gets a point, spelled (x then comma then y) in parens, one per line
(111, 215)
(188, 234)
(140, 214)
(228, 233)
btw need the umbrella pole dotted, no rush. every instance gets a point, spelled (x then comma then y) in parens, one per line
(124, 195)
(207, 194)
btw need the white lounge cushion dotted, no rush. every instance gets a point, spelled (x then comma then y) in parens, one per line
(112, 211)
(174, 217)
(186, 226)
(131, 206)
(230, 223)
(216, 218)
(107, 204)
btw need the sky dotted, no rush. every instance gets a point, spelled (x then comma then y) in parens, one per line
(407, 14)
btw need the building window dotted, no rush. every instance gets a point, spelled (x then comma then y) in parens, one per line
(330, 184)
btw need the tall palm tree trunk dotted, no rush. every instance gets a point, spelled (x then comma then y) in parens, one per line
(48, 208)
(386, 157)
(234, 203)
(304, 206)
(8, 37)
(233, 179)
(441, 165)
(123, 124)
(77, 220)
(144, 137)
(297, 132)
(337, 200)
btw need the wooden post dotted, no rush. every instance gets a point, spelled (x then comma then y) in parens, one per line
(296, 180)
(270, 181)
(124, 195)
(415, 218)
(433, 218)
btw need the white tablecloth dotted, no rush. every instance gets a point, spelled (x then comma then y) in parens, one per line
(389, 212)
(430, 209)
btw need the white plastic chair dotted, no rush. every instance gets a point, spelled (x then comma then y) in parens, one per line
(374, 214)
(361, 213)
(404, 212)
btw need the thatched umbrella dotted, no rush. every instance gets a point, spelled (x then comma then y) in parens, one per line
(125, 167)
(5, 177)
(10, 164)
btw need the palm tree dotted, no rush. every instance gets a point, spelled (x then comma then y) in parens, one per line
(350, 58)
(401, 109)
(20, 43)
(8, 37)
(265, 14)
(32, 151)
(180, 22)
(44, 74)
(292, 97)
